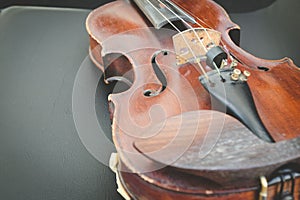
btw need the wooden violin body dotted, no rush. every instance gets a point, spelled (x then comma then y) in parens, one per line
(170, 140)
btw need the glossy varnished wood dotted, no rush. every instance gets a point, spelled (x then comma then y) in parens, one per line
(146, 190)
(275, 93)
(234, 158)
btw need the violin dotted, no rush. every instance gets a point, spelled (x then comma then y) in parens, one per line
(194, 116)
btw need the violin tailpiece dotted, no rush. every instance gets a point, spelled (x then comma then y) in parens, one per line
(235, 98)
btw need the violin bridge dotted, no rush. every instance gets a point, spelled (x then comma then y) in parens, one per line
(191, 45)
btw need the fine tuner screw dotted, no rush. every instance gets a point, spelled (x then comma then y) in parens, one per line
(238, 75)
(246, 73)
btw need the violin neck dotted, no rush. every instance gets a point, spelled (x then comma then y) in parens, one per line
(161, 12)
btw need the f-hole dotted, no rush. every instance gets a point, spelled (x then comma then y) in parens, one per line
(234, 35)
(159, 74)
(263, 68)
(118, 71)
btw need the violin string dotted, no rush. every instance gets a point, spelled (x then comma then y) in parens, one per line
(203, 22)
(197, 36)
(186, 23)
(183, 37)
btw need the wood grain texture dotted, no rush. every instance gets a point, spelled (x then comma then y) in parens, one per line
(235, 153)
(143, 190)
(229, 166)
(274, 91)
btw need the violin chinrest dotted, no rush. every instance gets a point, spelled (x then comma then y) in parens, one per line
(200, 147)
